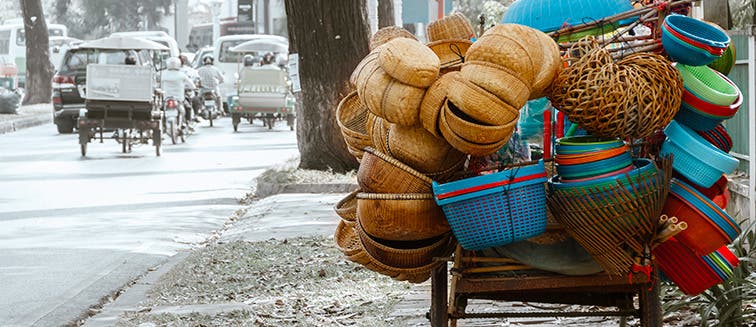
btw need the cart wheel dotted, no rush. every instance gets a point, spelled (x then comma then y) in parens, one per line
(172, 132)
(83, 149)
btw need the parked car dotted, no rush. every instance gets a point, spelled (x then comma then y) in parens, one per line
(69, 83)
(197, 62)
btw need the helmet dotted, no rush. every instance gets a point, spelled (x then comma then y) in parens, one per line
(184, 60)
(173, 63)
(268, 58)
(208, 59)
(130, 60)
(249, 60)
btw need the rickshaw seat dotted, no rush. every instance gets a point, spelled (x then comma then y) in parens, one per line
(262, 88)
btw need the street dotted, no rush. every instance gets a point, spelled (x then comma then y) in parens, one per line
(75, 230)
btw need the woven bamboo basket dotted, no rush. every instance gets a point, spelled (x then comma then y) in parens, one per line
(380, 173)
(351, 116)
(498, 80)
(389, 33)
(614, 224)
(464, 146)
(379, 129)
(401, 217)
(504, 51)
(632, 97)
(527, 38)
(346, 238)
(433, 102)
(409, 62)
(412, 275)
(550, 66)
(390, 99)
(449, 174)
(421, 150)
(365, 66)
(454, 26)
(468, 129)
(346, 208)
(405, 254)
(480, 105)
(450, 52)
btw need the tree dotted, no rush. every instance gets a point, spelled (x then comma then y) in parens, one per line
(39, 70)
(718, 12)
(385, 13)
(331, 37)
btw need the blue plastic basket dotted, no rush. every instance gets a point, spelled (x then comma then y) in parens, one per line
(695, 119)
(495, 209)
(695, 158)
(698, 30)
(685, 53)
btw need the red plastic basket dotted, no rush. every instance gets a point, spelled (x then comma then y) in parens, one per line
(702, 235)
(684, 267)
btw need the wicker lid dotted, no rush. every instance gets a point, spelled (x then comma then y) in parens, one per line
(389, 33)
(454, 26)
(421, 150)
(450, 52)
(410, 62)
(434, 101)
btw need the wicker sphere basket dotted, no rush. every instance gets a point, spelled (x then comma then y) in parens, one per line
(464, 146)
(421, 150)
(498, 80)
(390, 99)
(480, 105)
(380, 173)
(454, 26)
(450, 52)
(408, 254)
(433, 101)
(365, 66)
(401, 217)
(409, 62)
(389, 33)
(346, 238)
(550, 66)
(505, 51)
(346, 208)
(469, 130)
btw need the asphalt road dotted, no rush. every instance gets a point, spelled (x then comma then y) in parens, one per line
(73, 230)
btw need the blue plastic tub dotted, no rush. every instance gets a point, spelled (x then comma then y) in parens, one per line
(495, 209)
(695, 158)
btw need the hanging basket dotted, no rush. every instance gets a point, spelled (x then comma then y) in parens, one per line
(389, 33)
(454, 26)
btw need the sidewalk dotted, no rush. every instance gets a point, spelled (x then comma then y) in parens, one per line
(27, 116)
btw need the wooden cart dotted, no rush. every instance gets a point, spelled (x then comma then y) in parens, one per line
(474, 277)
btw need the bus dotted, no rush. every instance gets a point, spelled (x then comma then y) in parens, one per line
(13, 45)
(201, 35)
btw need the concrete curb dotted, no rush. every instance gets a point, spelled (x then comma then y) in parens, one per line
(24, 122)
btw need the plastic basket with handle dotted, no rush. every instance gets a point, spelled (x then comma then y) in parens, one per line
(495, 209)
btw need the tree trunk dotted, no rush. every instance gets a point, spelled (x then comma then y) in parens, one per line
(39, 71)
(385, 13)
(718, 12)
(331, 37)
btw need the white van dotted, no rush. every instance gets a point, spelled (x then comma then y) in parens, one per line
(13, 45)
(229, 62)
(157, 36)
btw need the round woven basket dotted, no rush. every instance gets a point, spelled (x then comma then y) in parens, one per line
(464, 146)
(421, 150)
(380, 173)
(390, 99)
(346, 238)
(449, 174)
(433, 101)
(480, 105)
(450, 52)
(389, 33)
(504, 51)
(550, 66)
(412, 275)
(379, 134)
(498, 80)
(405, 254)
(409, 62)
(365, 66)
(401, 217)
(466, 128)
(527, 38)
(454, 26)
(351, 115)
(346, 208)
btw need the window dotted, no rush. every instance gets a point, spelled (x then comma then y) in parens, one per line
(78, 60)
(5, 42)
(224, 55)
(21, 35)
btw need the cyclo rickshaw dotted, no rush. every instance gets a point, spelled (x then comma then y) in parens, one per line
(262, 93)
(122, 97)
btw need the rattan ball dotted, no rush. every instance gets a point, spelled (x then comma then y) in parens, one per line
(480, 105)
(454, 26)
(498, 80)
(433, 101)
(633, 97)
(469, 130)
(389, 33)
(410, 62)
(419, 149)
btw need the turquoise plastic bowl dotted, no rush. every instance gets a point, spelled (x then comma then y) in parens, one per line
(685, 53)
(643, 167)
(698, 30)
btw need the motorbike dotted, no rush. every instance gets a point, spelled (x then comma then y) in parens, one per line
(210, 108)
(173, 120)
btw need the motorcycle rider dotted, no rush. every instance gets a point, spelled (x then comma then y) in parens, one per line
(173, 82)
(210, 79)
(194, 98)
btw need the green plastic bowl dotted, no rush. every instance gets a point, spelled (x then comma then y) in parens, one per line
(708, 85)
(725, 63)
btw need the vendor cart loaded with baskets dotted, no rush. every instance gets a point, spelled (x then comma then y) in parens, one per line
(122, 98)
(635, 187)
